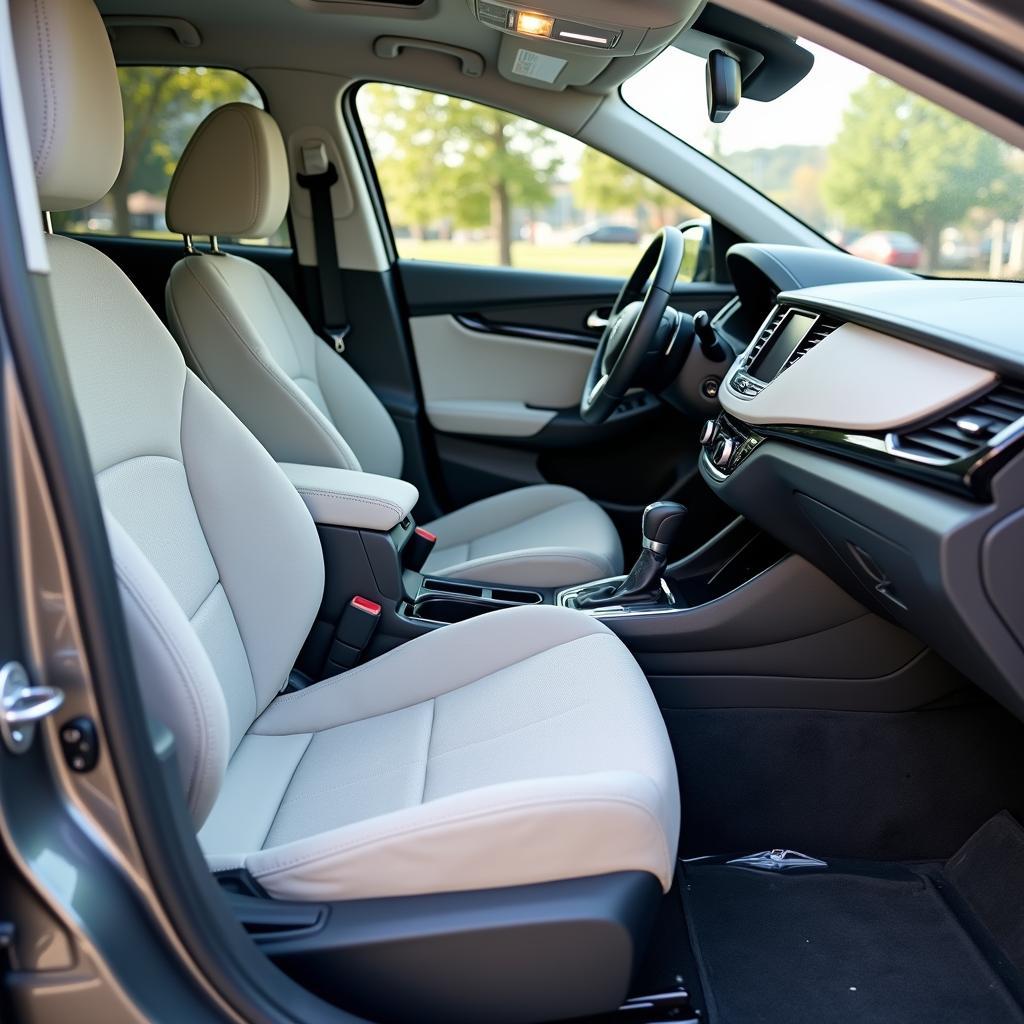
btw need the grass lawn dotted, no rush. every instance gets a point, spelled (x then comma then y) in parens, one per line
(601, 260)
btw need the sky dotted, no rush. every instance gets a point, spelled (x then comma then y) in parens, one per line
(671, 91)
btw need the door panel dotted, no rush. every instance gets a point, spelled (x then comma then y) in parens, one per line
(476, 382)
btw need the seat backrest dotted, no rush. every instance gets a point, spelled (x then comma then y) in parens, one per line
(218, 560)
(240, 330)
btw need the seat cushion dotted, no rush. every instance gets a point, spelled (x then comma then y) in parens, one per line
(524, 746)
(541, 536)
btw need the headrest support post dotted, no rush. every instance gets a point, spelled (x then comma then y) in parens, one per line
(215, 249)
(47, 222)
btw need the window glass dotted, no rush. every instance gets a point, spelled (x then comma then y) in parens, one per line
(465, 183)
(877, 169)
(162, 108)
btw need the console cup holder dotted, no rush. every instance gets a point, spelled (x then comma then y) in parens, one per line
(447, 601)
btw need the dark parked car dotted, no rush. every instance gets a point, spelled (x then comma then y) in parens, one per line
(609, 234)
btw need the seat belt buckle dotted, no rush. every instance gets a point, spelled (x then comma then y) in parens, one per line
(337, 335)
(418, 548)
(359, 621)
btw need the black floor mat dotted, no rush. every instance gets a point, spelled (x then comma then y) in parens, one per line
(854, 944)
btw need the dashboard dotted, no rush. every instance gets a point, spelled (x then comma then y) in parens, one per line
(873, 421)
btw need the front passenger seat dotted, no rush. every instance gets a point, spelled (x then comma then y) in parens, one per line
(520, 749)
(249, 342)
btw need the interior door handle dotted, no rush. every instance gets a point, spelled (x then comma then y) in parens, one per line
(595, 321)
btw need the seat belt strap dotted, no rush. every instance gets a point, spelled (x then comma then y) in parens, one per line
(320, 175)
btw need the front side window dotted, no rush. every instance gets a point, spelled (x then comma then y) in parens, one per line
(877, 169)
(466, 183)
(163, 106)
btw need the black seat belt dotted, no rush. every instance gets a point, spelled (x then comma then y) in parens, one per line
(334, 319)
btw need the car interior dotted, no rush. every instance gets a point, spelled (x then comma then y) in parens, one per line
(613, 641)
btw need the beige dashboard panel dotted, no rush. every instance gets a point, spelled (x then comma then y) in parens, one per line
(860, 380)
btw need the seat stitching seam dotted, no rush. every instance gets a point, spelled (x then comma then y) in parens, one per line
(346, 496)
(199, 607)
(202, 747)
(213, 556)
(265, 278)
(347, 677)
(430, 743)
(262, 364)
(406, 831)
(284, 792)
(391, 770)
(511, 732)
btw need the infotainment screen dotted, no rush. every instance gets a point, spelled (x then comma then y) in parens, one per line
(772, 358)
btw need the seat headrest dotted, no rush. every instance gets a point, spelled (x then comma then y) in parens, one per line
(232, 178)
(72, 100)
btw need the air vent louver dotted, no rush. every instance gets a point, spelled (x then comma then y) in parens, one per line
(965, 432)
(769, 329)
(818, 333)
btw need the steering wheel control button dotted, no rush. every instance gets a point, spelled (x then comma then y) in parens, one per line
(708, 433)
(80, 744)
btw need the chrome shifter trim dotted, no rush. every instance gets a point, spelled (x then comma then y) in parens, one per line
(612, 611)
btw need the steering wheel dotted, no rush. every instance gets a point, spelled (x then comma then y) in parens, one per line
(635, 327)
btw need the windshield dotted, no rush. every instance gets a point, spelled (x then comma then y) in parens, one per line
(873, 167)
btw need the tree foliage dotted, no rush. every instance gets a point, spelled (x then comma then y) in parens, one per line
(605, 186)
(445, 161)
(902, 163)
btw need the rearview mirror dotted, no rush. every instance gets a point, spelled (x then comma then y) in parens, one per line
(725, 85)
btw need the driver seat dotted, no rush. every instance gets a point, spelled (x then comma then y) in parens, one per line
(248, 341)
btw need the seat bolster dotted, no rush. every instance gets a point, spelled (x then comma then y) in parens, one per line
(542, 536)
(475, 840)
(530, 567)
(434, 664)
(206, 308)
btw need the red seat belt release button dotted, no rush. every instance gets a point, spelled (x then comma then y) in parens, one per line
(417, 548)
(358, 623)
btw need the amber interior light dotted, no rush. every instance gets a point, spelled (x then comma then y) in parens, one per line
(534, 24)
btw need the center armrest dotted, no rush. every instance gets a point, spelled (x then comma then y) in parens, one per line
(344, 497)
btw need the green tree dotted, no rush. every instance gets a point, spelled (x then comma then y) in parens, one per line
(445, 159)
(903, 163)
(605, 186)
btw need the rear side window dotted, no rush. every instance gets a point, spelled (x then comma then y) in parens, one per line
(163, 106)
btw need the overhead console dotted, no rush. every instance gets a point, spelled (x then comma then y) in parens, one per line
(559, 43)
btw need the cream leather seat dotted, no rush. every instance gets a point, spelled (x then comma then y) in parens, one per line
(521, 747)
(248, 341)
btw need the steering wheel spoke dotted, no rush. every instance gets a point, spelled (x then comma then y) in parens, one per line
(633, 325)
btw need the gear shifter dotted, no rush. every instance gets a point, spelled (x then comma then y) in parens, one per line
(661, 525)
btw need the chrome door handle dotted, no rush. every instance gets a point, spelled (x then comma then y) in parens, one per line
(22, 705)
(595, 321)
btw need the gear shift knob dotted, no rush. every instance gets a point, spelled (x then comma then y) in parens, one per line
(661, 525)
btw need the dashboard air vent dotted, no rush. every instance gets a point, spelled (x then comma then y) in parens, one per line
(774, 320)
(965, 432)
(818, 333)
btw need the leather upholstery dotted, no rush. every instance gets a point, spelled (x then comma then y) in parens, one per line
(541, 536)
(247, 340)
(72, 100)
(249, 203)
(341, 497)
(522, 746)
(438, 766)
